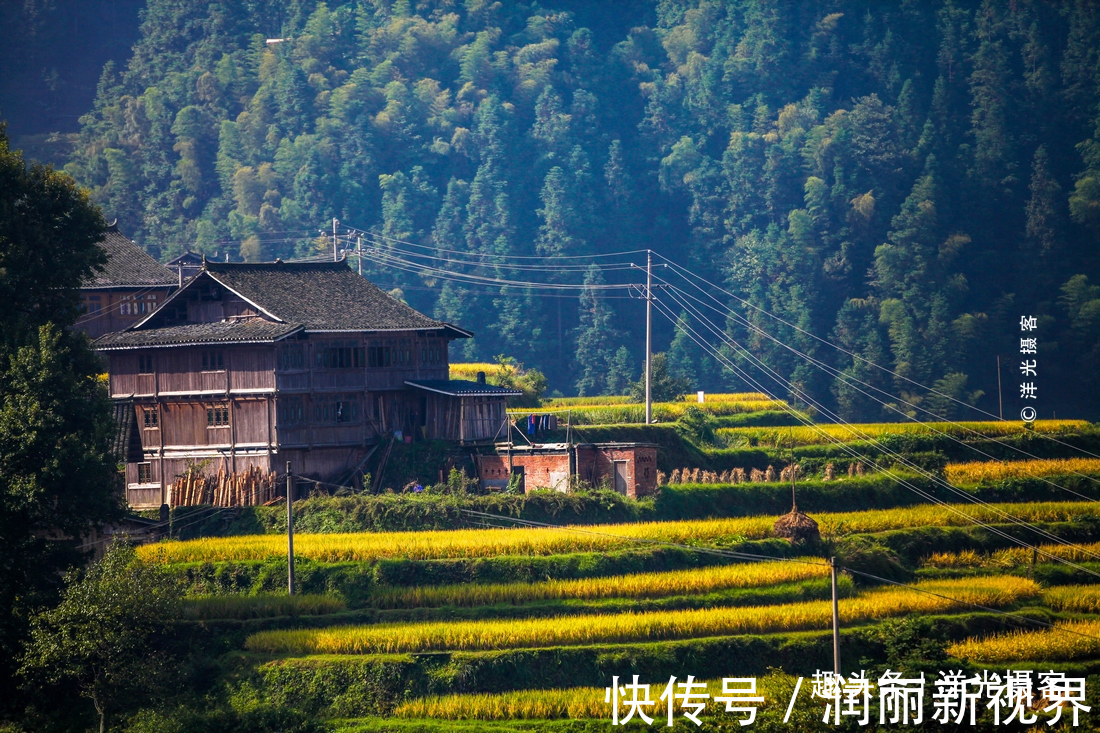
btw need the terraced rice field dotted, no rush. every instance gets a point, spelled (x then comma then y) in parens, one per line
(1014, 556)
(1067, 642)
(827, 433)
(641, 585)
(622, 628)
(1076, 598)
(474, 543)
(976, 472)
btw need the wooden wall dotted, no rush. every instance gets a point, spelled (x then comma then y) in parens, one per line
(180, 371)
(103, 309)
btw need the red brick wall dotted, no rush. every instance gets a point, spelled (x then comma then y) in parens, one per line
(545, 470)
(595, 464)
(550, 470)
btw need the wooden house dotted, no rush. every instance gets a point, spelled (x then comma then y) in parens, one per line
(249, 366)
(130, 286)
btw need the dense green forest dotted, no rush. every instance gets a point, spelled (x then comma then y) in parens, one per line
(903, 179)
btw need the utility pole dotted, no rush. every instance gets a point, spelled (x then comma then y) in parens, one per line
(335, 257)
(648, 335)
(1000, 402)
(290, 530)
(359, 253)
(836, 621)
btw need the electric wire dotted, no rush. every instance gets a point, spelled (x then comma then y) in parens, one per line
(751, 557)
(898, 457)
(682, 270)
(844, 447)
(832, 371)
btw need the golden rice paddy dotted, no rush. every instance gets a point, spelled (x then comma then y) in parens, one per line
(642, 585)
(1066, 642)
(1075, 598)
(972, 473)
(640, 627)
(827, 433)
(1014, 556)
(473, 543)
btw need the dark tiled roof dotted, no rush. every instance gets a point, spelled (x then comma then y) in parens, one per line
(462, 388)
(227, 332)
(323, 296)
(128, 265)
(187, 258)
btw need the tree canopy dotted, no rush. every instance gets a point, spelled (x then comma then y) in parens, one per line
(905, 180)
(57, 472)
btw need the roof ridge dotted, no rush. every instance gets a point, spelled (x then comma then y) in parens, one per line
(278, 265)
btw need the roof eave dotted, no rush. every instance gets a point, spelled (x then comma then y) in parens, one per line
(130, 286)
(242, 342)
(497, 391)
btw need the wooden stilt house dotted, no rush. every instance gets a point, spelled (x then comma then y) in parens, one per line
(248, 366)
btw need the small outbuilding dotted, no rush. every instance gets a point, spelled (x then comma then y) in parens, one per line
(629, 468)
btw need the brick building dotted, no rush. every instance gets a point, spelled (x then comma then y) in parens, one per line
(630, 468)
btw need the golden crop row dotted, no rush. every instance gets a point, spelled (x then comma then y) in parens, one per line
(574, 703)
(663, 411)
(1064, 643)
(641, 585)
(639, 627)
(1075, 598)
(827, 432)
(470, 543)
(972, 473)
(469, 370)
(1014, 556)
(580, 703)
(261, 606)
(689, 399)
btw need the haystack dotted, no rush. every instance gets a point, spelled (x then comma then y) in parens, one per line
(797, 527)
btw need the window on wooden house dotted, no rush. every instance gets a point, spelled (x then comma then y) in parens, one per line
(431, 354)
(145, 473)
(213, 361)
(145, 364)
(379, 356)
(217, 416)
(291, 357)
(93, 305)
(150, 417)
(290, 411)
(346, 410)
(341, 356)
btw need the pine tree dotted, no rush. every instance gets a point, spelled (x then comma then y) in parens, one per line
(596, 338)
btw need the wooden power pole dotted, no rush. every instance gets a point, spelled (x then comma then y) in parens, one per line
(290, 530)
(836, 620)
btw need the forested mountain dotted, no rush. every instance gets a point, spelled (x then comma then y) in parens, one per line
(904, 179)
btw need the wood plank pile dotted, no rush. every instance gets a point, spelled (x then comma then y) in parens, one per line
(246, 488)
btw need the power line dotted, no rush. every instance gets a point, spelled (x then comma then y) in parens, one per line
(682, 270)
(851, 452)
(751, 557)
(832, 371)
(848, 379)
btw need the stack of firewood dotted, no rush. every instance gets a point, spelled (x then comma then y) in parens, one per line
(247, 488)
